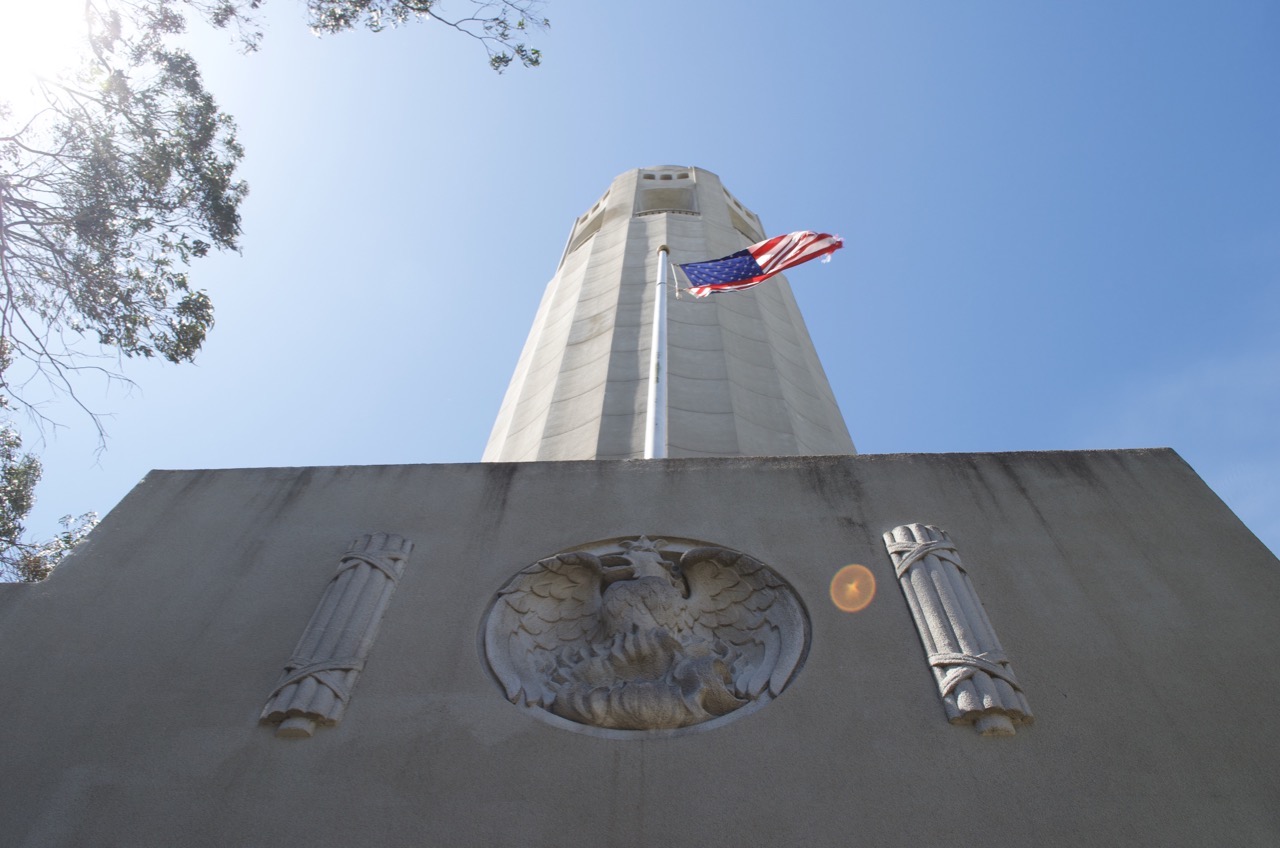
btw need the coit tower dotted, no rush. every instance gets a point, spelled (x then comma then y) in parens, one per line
(744, 378)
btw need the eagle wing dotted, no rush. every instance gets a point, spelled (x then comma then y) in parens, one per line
(546, 608)
(739, 602)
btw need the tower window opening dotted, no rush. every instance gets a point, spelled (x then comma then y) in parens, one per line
(584, 232)
(748, 228)
(666, 199)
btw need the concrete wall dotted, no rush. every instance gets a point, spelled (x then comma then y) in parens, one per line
(745, 379)
(1140, 615)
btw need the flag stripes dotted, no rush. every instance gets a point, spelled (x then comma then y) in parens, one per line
(759, 262)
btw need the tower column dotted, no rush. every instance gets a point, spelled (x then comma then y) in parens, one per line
(743, 376)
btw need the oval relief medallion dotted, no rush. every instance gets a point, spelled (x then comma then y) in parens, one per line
(635, 634)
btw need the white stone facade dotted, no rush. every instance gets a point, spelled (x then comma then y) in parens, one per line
(745, 379)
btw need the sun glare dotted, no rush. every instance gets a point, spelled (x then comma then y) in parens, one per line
(37, 40)
(852, 588)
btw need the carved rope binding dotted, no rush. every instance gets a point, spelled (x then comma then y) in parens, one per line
(974, 677)
(317, 680)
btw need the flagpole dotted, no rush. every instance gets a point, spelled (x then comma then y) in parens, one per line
(655, 432)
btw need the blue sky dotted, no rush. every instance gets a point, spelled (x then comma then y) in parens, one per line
(1062, 226)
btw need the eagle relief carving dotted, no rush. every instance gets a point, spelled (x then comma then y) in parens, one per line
(636, 634)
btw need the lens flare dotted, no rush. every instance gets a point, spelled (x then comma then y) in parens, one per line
(852, 588)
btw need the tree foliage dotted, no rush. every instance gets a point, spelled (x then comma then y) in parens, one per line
(19, 473)
(118, 178)
(499, 25)
(124, 174)
(20, 560)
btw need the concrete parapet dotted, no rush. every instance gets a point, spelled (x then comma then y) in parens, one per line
(1139, 612)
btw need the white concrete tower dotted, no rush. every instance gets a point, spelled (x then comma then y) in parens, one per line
(744, 378)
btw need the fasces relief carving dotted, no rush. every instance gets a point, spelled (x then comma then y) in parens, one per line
(636, 634)
(317, 680)
(974, 677)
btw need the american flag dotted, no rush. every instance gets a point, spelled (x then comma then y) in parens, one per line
(758, 262)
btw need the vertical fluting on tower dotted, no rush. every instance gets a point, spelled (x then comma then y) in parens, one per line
(745, 379)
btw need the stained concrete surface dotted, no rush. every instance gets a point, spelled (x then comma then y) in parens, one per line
(1139, 613)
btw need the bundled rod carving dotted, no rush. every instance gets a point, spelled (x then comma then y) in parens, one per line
(318, 678)
(974, 677)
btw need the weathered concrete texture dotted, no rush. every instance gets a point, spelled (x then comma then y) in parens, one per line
(1141, 615)
(744, 377)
